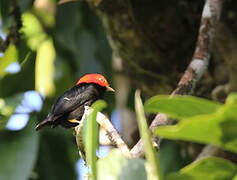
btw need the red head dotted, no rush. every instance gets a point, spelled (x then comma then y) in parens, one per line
(95, 78)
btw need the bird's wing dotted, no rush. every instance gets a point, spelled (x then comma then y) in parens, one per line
(74, 98)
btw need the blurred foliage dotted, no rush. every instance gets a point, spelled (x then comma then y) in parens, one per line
(58, 44)
(18, 152)
(45, 68)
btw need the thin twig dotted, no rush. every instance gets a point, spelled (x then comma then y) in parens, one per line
(197, 67)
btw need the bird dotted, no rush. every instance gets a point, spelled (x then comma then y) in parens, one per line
(68, 109)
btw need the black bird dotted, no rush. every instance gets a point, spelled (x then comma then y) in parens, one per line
(68, 109)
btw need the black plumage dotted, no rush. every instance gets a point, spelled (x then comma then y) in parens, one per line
(71, 105)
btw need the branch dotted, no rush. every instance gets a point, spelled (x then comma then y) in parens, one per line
(202, 53)
(197, 66)
(14, 34)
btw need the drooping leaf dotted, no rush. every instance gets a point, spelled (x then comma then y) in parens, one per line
(117, 167)
(218, 129)
(44, 70)
(151, 156)
(91, 136)
(180, 106)
(210, 168)
(18, 152)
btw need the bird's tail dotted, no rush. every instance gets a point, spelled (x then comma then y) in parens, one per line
(47, 122)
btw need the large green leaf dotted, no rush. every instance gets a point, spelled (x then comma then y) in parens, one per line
(91, 136)
(218, 129)
(180, 106)
(18, 152)
(210, 168)
(151, 156)
(117, 167)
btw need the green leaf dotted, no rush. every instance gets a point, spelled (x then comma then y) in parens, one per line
(91, 136)
(9, 57)
(219, 129)
(44, 68)
(117, 167)
(210, 168)
(202, 129)
(151, 156)
(18, 152)
(180, 106)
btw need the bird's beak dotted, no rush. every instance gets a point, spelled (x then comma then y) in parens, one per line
(109, 89)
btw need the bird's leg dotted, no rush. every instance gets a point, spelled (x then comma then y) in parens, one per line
(74, 121)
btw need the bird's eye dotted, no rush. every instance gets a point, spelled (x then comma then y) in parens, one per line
(101, 79)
